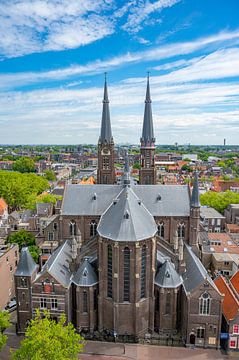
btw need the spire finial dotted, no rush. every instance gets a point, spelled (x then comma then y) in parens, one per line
(105, 76)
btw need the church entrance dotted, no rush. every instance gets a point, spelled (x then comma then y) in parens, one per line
(192, 339)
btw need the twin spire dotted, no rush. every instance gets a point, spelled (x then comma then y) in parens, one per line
(106, 133)
(148, 130)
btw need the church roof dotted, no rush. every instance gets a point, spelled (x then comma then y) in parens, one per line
(167, 276)
(105, 134)
(85, 275)
(195, 273)
(148, 130)
(58, 264)
(160, 200)
(127, 219)
(26, 265)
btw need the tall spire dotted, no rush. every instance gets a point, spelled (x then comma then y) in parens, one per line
(105, 134)
(148, 130)
(195, 201)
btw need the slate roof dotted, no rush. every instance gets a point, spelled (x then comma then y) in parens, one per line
(148, 130)
(127, 219)
(26, 265)
(44, 209)
(195, 201)
(58, 264)
(210, 213)
(195, 273)
(85, 275)
(167, 276)
(174, 199)
(105, 134)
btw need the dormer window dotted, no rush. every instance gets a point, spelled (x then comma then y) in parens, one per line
(94, 196)
(126, 215)
(159, 198)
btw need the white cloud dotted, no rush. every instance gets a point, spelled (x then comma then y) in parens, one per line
(222, 39)
(142, 10)
(28, 26)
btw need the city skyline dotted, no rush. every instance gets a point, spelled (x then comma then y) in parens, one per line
(53, 56)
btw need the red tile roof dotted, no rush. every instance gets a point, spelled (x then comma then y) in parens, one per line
(3, 206)
(230, 305)
(227, 244)
(235, 281)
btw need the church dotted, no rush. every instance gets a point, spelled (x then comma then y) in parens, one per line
(127, 265)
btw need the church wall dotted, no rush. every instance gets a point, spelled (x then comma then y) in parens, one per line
(82, 222)
(210, 323)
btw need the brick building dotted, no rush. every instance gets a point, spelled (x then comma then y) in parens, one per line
(127, 264)
(8, 264)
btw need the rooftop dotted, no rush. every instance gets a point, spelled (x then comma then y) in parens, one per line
(230, 305)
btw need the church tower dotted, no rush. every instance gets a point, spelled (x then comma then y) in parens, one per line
(194, 214)
(106, 170)
(147, 173)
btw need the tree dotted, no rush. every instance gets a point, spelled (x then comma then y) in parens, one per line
(219, 201)
(186, 168)
(48, 198)
(46, 339)
(136, 165)
(50, 175)
(25, 238)
(4, 323)
(20, 190)
(24, 165)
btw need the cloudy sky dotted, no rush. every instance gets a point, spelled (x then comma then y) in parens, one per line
(53, 55)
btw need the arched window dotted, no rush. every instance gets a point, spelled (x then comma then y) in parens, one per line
(85, 302)
(143, 272)
(126, 274)
(109, 272)
(161, 229)
(168, 304)
(72, 226)
(204, 304)
(93, 228)
(181, 230)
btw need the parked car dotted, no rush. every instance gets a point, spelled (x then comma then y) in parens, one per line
(12, 305)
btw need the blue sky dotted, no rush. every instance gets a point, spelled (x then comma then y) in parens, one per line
(53, 55)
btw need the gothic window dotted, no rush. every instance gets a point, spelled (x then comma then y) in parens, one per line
(168, 304)
(85, 302)
(204, 304)
(200, 333)
(95, 299)
(72, 226)
(50, 236)
(93, 228)
(181, 230)
(126, 274)
(161, 229)
(143, 272)
(109, 272)
(157, 301)
(55, 226)
(106, 163)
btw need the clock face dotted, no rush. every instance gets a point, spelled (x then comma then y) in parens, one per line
(105, 151)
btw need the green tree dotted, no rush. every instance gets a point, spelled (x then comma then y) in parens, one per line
(48, 198)
(4, 323)
(50, 175)
(136, 165)
(35, 252)
(20, 190)
(186, 168)
(22, 238)
(46, 339)
(24, 165)
(219, 201)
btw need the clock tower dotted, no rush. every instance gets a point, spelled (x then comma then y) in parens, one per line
(106, 170)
